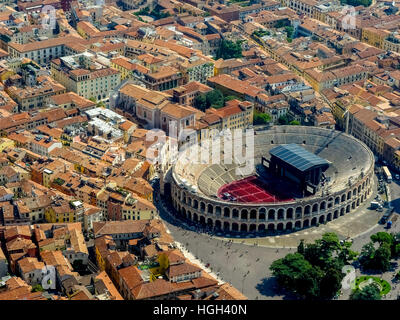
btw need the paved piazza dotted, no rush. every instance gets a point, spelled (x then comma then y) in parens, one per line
(245, 262)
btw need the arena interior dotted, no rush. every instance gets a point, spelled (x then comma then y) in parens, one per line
(332, 175)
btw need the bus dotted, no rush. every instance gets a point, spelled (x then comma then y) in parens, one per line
(387, 174)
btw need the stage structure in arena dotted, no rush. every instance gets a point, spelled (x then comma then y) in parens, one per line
(334, 168)
(297, 164)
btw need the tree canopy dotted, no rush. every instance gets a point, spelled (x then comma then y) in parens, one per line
(372, 258)
(370, 292)
(355, 3)
(315, 270)
(261, 118)
(229, 49)
(214, 99)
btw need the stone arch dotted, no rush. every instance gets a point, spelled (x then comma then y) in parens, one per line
(342, 211)
(315, 208)
(306, 223)
(289, 215)
(299, 211)
(218, 210)
(271, 214)
(271, 227)
(235, 213)
(210, 223)
(195, 217)
(359, 189)
(202, 220)
(281, 214)
(307, 210)
(354, 192)
(218, 225)
(189, 215)
(261, 227)
(235, 227)
(243, 227)
(252, 228)
(227, 212)
(349, 195)
(210, 208)
(244, 214)
(195, 204)
(261, 214)
(289, 211)
(183, 212)
(314, 221)
(289, 226)
(297, 224)
(348, 209)
(337, 201)
(330, 202)
(353, 205)
(226, 226)
(358, 202)
(253, 214)
(329, 216)
(189, 201)
(280, 227)
(322, 206)
(343, 197)
(322, 219)
(202, 206)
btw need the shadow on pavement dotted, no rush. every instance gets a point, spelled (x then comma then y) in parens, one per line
(269, 287)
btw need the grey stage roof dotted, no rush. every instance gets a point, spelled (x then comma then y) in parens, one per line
(298, 157)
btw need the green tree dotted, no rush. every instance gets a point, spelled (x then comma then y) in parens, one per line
(229, 49)
(294, 123)
(283, 120)
(308, 284)
(383, 237)
(289, 269)
(355, 3)
(215, 99)
(300, 247)
(315, 271)
(260, 118)
(100, 104)
(381, 260)
(93, 99)
(37, 288)
(229, 98)
(370, 292)
(289, 31)
(366, 255)
(331, 283)
(200, 102)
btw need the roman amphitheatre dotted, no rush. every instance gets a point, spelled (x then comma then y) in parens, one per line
(302, 177)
